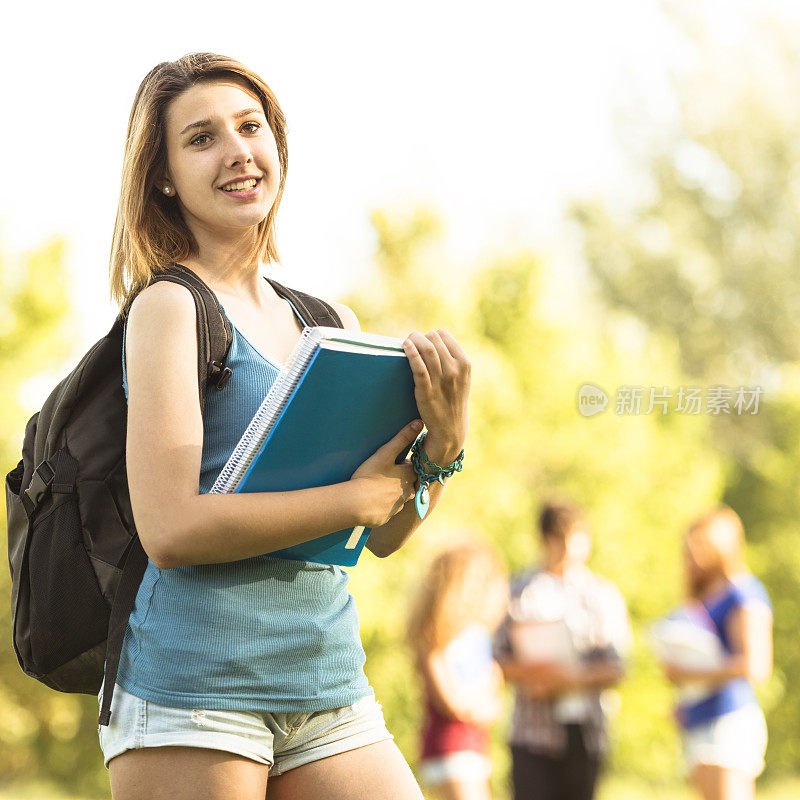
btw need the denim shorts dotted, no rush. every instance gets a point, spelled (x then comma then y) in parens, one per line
(736, 740)
(462, 765)
(282, 741)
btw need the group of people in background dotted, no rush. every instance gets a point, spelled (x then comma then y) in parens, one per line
(560, 635)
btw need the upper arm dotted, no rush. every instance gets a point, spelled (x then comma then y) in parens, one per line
(441, 681)
(749, 629)
(165, 428)
(348, 317)
(617, 635)
(501, 641)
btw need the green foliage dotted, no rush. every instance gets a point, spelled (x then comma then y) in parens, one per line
(708, 253)
(641, 478)
(708, 256)
(43, 734)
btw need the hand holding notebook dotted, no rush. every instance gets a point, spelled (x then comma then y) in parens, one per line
(341, 396)
(383, 469)
(441, 373)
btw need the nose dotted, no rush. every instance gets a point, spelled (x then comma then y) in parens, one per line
(237, 152)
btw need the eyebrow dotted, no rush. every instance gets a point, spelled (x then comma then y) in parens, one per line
(203, 122)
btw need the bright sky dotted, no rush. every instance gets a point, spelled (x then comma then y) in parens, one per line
(495, 115)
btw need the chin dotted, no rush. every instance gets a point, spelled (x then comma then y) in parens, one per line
(242, 221)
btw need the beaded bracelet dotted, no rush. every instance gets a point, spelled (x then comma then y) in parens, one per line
(427, 471)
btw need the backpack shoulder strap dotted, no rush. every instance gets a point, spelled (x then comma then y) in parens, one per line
(312, 310)
(214, 338)
(124, 599)
(214, 335)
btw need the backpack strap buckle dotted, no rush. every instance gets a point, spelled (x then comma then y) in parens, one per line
(39, 486)
(219, 374)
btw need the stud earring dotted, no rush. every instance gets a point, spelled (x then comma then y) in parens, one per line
(168, 190)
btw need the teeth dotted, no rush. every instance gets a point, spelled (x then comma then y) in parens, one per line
(240, 185)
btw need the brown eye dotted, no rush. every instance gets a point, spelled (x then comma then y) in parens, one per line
(201, 136)
(257, 126)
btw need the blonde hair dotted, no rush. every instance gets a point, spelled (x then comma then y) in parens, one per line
(150, 232)
(716, 542)
(459, 589)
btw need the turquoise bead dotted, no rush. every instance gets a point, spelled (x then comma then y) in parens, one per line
(421, 501)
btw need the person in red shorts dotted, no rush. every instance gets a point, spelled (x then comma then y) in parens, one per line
(461, 601)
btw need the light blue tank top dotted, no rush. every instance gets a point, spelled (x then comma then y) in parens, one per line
(259, 634)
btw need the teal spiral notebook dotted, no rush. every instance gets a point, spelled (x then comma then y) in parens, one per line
(341, 395)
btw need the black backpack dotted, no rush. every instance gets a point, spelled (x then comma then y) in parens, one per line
(76, 560)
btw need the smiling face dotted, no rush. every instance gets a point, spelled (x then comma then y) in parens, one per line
(216, 133)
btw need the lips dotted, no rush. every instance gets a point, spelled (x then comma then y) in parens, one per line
(240, 185)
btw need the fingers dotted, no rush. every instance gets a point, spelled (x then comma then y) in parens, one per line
(403, 439)
(455, 349)
(439, 354)
(428, 352)
(419, 368)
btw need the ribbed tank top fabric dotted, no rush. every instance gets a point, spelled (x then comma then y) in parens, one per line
(258, 634)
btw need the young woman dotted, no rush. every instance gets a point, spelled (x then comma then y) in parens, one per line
(724, 734)
(241, 674)
(461, 600)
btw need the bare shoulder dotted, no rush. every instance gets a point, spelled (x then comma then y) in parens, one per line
(162, 302)
(348, 317)
(162, 318)
(161, 344)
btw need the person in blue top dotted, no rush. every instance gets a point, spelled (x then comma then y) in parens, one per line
(724, 731)
(241, 675)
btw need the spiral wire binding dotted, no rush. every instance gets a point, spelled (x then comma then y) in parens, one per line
(268, 413)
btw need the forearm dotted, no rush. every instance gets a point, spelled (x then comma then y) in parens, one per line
(477, 705)
(601, 675)
(392, 535)
(735, 666)
(549, 679)
(217, 528)
(516, 671)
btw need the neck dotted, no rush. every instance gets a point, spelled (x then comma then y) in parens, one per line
(713, 586)
(556, 567)
(230, 279)
(224, 260)
(234, 281)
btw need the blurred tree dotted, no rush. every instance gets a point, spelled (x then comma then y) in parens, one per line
(705, 246)
(705, 252)
(43, 734)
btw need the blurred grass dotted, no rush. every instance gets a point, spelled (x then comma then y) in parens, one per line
(612, 788)
(618, 788)
(38, 791)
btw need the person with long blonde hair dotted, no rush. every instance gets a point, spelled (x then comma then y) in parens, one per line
(460, 601)
(241, 675)
(724, 732)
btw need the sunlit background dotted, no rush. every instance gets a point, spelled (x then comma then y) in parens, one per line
(580, 191)
(492, 117)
